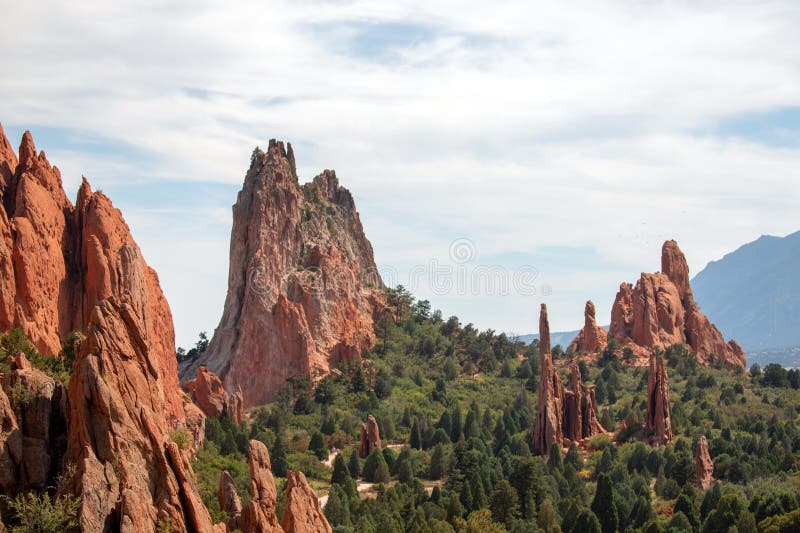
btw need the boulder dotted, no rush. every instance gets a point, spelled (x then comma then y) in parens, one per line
(207, 392)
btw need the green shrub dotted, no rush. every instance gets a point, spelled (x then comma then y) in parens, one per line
(38, 513)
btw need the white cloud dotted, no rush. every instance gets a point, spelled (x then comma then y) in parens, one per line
(515, 124)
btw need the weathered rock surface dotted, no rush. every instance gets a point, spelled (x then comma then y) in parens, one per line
(660, 311)
(658, 424)
(562, 414)
(36, 435)
(302, 513)
(370, 437)
(207, 392)
(547, 429)
(703, 466)
(302, 288)
(57, 261)
(229, 500)
(260, 515)
(129, 473)
(591, 337)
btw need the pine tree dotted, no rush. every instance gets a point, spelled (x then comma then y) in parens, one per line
(280, 464)
(604, 506)
(415, 439)
(337, 509)
(504, 503)
(555, 461)
(479, 499)
(456, 424)
(340, 471)
(354, 465)
(466, 497)
(317, 446)
(454, 508)
(437, 462)
(587, 522)
(375, 468)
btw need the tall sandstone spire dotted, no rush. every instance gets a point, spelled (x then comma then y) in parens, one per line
(302, 286)
(591, 337)
(658, 423)
(59, 260)
(660, 311)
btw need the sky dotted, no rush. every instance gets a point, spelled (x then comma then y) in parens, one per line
(525, 151)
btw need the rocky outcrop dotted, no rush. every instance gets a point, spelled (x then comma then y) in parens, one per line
(59, 260)
(129, 473)
(660, 311)
(370, 437)
(302, 513)
(36, 422)
(260, 514)
(562, 414)
(207, 392)
(658, 424)
(703, 466)
(229, 500)
(591, 338)
(302, 288)
(547, 429)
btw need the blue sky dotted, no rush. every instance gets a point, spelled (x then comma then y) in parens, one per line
(571, 139)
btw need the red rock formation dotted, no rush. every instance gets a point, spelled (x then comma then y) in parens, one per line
(660, 311)
(57, 261)
(302, 287)
(127, 471)
(39, 418)
(549, 416)
(703, 466)
(370, 437)
(302, 513)
(260, 516)
(658, 423)
(207, 392)
(229, 500)
(561, 414)
(591, 337)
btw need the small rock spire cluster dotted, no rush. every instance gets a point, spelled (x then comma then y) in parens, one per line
(370, 437)
(591, 337)
(563, 415)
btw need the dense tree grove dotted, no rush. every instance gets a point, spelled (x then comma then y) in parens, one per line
(456, 406)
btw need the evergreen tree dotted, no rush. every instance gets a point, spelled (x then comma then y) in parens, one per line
(354, 464)
(415, 439)
(604, 506)
(375, 468)
(587, 522)
(547, 516)
(280, 464)
(317, 446)
(456, 424)
(466, 497)
(504, 503)
(573, 457)
(337, 509)
(437, 465)
(454, 508)
(555, 461)
(340, 471)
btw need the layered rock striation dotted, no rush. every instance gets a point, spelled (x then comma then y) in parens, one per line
(660, 311)
(302, 288)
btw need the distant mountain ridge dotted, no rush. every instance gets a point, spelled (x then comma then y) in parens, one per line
(753, 293)
(557, 337)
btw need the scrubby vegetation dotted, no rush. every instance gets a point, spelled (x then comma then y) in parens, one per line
(455, 407)
(59, 366)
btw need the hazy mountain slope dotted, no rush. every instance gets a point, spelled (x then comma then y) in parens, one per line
(753, 293)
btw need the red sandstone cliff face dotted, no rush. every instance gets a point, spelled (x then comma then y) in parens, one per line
(302, 286)
(57, 261)
(129, 473)
(660, 311)
(591, 337)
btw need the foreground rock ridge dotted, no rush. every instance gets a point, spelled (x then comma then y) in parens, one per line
(302, 287)
(59, 260)
(660, 311)
(563, 415)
